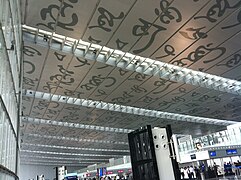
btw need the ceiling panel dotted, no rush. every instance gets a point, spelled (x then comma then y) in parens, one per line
(123, 38)
(107, 19)
(34, 59)
(170, 17)
(42, 14)
(74, 17)
(115, 79)
(225, 39)
(195, 30)
(227, 64)
(95, 77)
(34, 140)
(55, 72)
(27, 104)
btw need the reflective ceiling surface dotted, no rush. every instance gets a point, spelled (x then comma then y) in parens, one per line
(202, 35)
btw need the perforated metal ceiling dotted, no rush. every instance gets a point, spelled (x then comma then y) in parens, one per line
(202, 35)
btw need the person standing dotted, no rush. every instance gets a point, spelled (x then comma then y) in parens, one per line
(186, 172)
(215, 168)
(225, 166)
(182, 173)
(192, 172)
(197, 172)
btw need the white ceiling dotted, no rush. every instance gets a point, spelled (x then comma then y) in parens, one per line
(202, 35)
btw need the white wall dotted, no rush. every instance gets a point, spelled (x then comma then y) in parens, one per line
(31, 171)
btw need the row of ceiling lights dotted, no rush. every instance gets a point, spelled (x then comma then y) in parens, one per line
(74, 148)
(62, 158)
(53, 161)
(75, 125)
(132, 62)
(75, 139)
(51, 164)
(124, 109)
(69, 154)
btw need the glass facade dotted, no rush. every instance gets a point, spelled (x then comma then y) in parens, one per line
(10, 75)
(231, 136)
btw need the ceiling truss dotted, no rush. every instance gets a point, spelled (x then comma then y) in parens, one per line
(76, 139)
(130, 61)
(121, 108)
(69, 154)
(74, 125)
(75, 148)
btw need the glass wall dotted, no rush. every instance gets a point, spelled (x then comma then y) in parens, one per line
(221, 138)
(231, 136)
(10, 73)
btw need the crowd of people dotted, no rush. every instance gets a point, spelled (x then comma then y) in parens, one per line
(229, 169)
(232, 169)
(195, 173)
(190, 172)
(112, 178)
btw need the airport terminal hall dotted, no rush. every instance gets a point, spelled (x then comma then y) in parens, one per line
(120, 89)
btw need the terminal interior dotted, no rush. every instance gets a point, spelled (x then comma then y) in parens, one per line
(77, 76)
